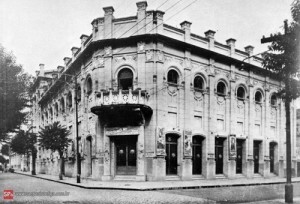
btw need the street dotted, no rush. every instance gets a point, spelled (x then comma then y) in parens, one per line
(20, 183)
(69, 194)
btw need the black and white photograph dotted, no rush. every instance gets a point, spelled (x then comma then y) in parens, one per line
(157, 101)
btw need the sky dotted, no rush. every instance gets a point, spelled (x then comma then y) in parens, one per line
(43, 31)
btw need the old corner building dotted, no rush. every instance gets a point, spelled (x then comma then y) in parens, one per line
(157, 102)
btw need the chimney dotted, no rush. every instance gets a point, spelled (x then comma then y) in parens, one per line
(231, 43)
(67, 61)
(210, 34)
(108, 20)
(141, 16)
(42, 70)
(249, 49)
(60, 70)
(186, 26)
(83, 39)
(149, 21)
(74, 51)
(158, 19)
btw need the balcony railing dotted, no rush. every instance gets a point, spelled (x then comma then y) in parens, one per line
(121, 97)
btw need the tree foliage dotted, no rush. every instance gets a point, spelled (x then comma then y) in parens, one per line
(284, 56)
(3, 160)
(5, 149)
(24, 142)
(55, 138)
(14, 84)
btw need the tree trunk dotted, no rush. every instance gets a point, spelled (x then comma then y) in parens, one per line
(33, 162)
(61, 164)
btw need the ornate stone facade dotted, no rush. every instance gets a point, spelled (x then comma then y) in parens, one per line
(162, 103)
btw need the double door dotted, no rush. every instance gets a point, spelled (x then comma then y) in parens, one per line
(256, 145)
(171, 155)
(219, 154)
(239, 156)
(126, 155)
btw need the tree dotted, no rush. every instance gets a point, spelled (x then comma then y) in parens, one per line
(5, 150)
(3, 160)
(24, 144)
(284, 60)
(14, 84)
(55, 138)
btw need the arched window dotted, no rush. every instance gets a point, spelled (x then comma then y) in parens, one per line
(173, 77)
(240, 93)
(221, 88)
(258, 97)
(125, 79)
(273, 100)
(78, 93)
(198, 83)
(62, 104)
(89, 86)
(69, 100)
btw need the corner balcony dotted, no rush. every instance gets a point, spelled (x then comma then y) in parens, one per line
(123, 107)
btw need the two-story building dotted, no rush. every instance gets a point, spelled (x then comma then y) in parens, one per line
(156, 102)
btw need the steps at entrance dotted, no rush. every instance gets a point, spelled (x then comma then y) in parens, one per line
(220, 176)
(257, 176)
(124, 178)
(172, 178)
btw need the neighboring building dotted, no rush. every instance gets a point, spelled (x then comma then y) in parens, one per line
(157, 102)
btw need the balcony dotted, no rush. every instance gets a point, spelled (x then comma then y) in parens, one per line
(123, 107)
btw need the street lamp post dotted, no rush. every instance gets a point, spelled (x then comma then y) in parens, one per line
(288, 100)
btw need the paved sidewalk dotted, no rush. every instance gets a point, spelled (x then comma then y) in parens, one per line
(161, 185)
(276, 201)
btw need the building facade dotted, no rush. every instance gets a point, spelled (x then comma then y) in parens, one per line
(156, 102)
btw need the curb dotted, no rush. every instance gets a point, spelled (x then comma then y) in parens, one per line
(157, 188)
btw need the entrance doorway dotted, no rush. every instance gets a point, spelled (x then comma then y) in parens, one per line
(171, 151)
(89, 155)
(239, 156)
(126, 155)
(256, 146)
(219, 155)
(272, 156)
(197, 155)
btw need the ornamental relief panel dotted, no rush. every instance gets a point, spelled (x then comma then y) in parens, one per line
(273, 113)
(221, 105)
(240, 107)
(172, 95)
(258, 111)
(198, 100)
(128, 59)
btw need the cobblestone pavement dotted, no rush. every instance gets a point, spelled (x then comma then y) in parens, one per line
(20, 183)
(261, 194)
(255, 194)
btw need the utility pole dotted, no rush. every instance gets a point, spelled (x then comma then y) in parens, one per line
(288, 185)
